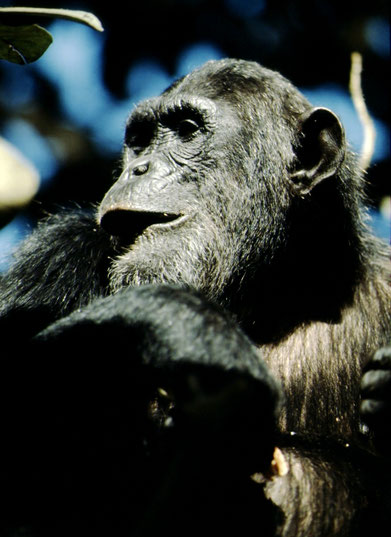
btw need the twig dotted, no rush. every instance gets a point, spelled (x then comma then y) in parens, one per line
(84, 17)
(369, 131)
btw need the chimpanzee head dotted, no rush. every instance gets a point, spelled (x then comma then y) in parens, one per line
(213, 172)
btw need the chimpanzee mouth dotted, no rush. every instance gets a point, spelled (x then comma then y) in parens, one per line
(128, 225)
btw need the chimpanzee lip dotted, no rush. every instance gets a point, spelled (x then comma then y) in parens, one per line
(169, 220)
(127, 225)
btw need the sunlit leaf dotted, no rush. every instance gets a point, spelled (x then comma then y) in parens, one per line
(23, 44)
(83, 17)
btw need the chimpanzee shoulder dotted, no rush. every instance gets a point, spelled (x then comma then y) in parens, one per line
(59, 267)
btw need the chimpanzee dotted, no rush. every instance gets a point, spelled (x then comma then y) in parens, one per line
(187, 356)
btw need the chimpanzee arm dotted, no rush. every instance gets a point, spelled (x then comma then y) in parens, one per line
(92, 380)
(194, 349)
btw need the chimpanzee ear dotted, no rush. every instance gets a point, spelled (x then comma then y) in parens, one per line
(321, 149)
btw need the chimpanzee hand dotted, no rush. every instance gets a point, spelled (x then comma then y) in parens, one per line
(173, 339)
(376, 399)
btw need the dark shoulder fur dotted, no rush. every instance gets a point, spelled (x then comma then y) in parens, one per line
(61, 266)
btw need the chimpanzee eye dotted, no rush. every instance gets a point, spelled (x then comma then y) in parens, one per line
(187, 127)
(138, 136)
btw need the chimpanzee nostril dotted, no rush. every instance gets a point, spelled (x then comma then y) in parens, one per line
(140, 169)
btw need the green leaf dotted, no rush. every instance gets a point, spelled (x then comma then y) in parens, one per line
(83, 17)
(23, 44)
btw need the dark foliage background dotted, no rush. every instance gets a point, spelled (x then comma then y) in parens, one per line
(141, 50)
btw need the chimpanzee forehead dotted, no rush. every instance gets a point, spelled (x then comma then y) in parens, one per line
(219, 79)
(241, 87)
(207, 87)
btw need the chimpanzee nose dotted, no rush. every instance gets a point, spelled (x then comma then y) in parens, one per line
(139, 198)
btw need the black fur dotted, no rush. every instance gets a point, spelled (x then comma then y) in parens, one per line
(240, 210)
(62, 266)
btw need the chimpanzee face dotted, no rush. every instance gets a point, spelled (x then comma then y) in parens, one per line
(170, 207)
